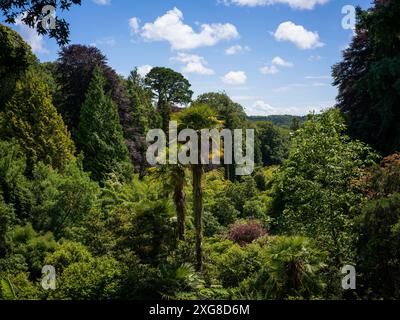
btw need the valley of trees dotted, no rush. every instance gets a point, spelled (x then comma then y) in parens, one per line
(77, 193)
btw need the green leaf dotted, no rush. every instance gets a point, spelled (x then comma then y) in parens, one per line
(8, 289)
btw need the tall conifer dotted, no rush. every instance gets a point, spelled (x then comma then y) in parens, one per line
(100, 134)
(31, 118)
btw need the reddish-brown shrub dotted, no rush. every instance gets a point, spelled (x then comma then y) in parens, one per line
(246, 232)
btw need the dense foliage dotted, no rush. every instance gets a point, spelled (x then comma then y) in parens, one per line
(15, 58)
(368, 77)
(31, 119)
(113, 227)
(285, 121)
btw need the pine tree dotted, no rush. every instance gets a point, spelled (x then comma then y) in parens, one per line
(99, 133)
(33, 121)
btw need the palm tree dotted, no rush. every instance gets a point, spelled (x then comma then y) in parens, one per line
(174, 178)
(197, 117)
(178, 174)
(291, 267)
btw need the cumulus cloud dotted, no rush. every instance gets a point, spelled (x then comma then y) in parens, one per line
(31, 37)
(269, 70)
(262, 108)
(273, 69)
(234, 78)
(102, 2)
(170, 27)
(134, 25)
(193, 64)
(278, 61)
(294, 4)
(297, 34)
(236, 50)
(144, 70)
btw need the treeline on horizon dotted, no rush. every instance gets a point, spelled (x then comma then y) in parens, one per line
(284, 120)
(77, 193)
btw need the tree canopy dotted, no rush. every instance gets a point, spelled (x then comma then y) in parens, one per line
(368, 78)
(168, 87)
(31, 13)
(15, 58)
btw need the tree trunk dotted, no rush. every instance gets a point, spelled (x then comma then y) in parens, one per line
(227, 172)
(198, 212)
(179, 200)
(165, 112)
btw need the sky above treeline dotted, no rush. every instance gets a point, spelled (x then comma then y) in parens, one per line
(271, 56)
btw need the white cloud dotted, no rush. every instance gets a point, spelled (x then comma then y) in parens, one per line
(106, 41)
(297, 34)
(102, 2)
(144, 70)
(278, 61)
(294, 4)
(262, 108)
(269, 70)
(234, 78)
(134, 24)
(243, 98)
(194, 64)
(236, 50)
(31, 37)
(170, 27)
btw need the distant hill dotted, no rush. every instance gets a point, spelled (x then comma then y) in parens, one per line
(279, 120)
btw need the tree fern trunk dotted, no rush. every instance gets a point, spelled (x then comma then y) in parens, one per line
(198, 212)
(179, 199)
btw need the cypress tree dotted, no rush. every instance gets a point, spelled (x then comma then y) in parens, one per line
(99, 133)
(15, 58)
(31, 118)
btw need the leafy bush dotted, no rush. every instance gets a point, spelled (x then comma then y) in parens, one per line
(63, 199)
(96, 279)
(379, 247)
(33, 246)
(6, 219)
(230, 263)
(14, 186)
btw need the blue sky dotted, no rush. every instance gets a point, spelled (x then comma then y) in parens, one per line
(271, 56)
